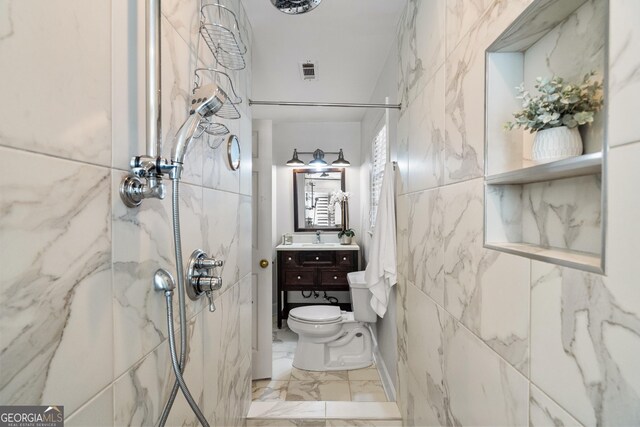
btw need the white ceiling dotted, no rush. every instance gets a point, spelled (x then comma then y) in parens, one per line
(349, 40)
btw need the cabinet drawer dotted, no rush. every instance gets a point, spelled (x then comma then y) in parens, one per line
(289, 258)
(345, 259)
(316, 257)
(333, 278)
(299, 277)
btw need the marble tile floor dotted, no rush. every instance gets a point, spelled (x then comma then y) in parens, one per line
(292, 384)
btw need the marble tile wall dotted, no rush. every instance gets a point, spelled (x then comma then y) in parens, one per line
(486, 338)
(80, 324)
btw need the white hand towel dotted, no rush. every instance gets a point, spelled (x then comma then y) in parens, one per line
(381, 272)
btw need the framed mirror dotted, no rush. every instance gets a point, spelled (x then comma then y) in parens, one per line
(311, 193)
(233, 152)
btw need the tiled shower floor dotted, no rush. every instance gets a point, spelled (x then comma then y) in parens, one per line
(292, 384)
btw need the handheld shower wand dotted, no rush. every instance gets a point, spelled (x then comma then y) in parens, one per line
(206, 101)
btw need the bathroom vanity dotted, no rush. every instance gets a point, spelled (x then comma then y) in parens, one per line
(313, 267)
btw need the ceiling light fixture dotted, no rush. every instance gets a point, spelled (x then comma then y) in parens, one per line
(318, 159)
(295, 7)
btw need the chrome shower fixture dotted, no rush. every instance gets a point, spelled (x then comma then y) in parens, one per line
(295, 7)
(205, 102)
(201, 277)
(145, 180)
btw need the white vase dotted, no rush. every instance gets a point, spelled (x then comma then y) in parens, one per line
(345, 240)
(556, 143)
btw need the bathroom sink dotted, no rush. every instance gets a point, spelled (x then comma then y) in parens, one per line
(320, 244)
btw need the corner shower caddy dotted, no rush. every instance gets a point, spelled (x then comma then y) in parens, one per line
(553, 212)
(224, 41)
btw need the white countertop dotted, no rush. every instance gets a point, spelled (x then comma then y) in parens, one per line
(317, 247)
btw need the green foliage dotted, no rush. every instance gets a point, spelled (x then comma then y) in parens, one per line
(558, 104)
(348, 232)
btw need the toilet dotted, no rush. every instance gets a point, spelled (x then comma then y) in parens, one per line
(330, 339)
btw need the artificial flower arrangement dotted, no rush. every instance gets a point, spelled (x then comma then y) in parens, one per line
(558, 104)
(338, 196)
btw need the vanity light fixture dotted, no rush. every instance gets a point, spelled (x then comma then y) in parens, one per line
(318, 159)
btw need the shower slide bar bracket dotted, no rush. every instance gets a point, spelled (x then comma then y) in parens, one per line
(202, 278)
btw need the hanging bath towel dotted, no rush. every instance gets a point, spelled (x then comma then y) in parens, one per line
(381, 272)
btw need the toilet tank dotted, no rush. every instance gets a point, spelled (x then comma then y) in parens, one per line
(360, 298)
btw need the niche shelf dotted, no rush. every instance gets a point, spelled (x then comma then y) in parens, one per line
(587, 164)
(553, 212)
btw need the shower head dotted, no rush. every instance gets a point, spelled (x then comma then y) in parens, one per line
(205, 102)
(295, 7)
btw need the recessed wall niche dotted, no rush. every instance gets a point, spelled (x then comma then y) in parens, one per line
(555, 211)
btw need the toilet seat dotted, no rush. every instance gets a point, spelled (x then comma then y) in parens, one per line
(317, 314)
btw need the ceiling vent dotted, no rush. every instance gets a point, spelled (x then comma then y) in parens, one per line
(309, 71)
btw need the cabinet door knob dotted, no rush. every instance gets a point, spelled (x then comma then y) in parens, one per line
(299, 277)
(317, 258)
(289, 259)
(335, 277)
(344, 258)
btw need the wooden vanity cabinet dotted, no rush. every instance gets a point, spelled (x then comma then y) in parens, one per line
(324, 270)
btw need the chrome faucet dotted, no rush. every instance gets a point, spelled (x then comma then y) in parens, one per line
(318, 239)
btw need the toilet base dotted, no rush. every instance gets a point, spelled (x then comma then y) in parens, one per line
(350, 350)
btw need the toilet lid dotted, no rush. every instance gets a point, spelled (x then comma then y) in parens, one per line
(317, 313)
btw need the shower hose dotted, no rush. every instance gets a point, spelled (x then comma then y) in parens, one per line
(178, 365)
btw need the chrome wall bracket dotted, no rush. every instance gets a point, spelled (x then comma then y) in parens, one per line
(145, 180)
(202, 278)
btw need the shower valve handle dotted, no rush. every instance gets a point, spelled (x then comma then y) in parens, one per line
(201, 277)
(212, 306)
(208, 263)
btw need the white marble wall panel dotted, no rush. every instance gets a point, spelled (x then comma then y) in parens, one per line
(486, 290)
(581, 346)
(227, 382)
(503, 204)
(426, 323)
(178, 64)
(623, 228)
(73, 338)
(143, 243)
(402, 236)
(65, 112)
(55, 292)
(181, 414)
(545, 412)
(402, 150)
(98, 412)
(563, 214)
(464, 99)
(421, 45)
(140, 394)
(425, 256)
(426, 136)
(222, 233)
(464, 112)
(482, 388)
(624, 72)
(461, 16)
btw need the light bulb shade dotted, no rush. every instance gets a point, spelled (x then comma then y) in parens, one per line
(318, 159)
(295, 161)
(341, 161)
